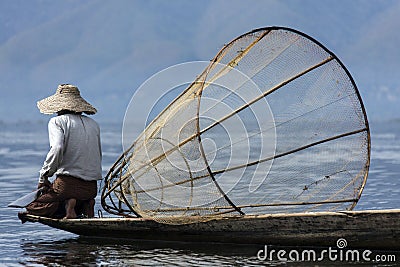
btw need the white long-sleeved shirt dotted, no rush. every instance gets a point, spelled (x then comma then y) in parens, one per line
(75, 148)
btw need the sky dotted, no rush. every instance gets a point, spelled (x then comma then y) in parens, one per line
(109, 48)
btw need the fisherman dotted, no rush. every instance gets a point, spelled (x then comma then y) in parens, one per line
(74, 157)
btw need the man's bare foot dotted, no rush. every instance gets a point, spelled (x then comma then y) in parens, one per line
(89, 208)
(70, 209)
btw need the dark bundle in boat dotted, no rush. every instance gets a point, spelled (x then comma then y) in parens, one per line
(274, 124)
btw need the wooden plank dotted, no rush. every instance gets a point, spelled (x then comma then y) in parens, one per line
(372, 229)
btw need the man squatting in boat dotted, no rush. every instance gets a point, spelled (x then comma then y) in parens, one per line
(74, 157)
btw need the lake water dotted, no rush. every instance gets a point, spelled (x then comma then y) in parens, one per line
(23, 147)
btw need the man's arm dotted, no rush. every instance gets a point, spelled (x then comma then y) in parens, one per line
(55, 155)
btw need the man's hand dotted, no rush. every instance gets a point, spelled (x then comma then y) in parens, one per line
(46, 183)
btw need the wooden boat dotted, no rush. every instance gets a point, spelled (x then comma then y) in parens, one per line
(372, 229)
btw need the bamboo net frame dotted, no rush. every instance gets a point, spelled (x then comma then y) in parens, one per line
(303, 143)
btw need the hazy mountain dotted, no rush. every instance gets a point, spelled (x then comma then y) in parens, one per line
(108, 48)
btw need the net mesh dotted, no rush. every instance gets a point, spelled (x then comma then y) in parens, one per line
(274, 124)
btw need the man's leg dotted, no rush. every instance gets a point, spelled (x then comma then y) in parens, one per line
(70, 209)
(88, 208)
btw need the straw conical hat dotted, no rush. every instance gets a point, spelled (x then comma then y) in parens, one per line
(67, 97)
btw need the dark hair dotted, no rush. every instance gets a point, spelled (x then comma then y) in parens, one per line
(66, 111)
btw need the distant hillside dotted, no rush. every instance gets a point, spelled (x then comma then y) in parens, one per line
(108, 48)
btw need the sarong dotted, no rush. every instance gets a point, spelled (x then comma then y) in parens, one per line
(51, 204)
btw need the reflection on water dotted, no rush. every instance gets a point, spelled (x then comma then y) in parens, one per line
(103, 252)
(91, 251)
(22, 151)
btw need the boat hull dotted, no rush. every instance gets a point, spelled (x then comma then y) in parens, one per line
(373, 229)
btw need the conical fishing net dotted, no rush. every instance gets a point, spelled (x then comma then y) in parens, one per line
(274, 124)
